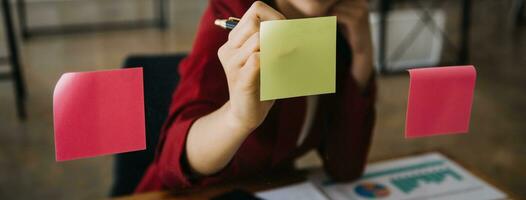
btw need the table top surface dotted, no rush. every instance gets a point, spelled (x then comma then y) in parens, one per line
(269, 181)
(253, 184)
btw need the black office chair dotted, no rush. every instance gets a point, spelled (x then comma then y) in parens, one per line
(160, 79)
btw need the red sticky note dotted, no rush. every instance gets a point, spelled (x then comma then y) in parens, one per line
(440, 100)
(98, 113)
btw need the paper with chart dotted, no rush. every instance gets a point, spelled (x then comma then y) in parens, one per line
(297, 57)
(429, 176)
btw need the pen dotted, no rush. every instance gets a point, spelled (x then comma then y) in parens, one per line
(229, 23)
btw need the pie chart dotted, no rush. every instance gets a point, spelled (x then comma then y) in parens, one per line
(371, 190)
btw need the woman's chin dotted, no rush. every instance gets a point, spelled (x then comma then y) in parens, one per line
(315, 13)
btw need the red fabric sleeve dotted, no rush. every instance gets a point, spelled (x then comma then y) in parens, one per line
(202, 89)
(351, 116)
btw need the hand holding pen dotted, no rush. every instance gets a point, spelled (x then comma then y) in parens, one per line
(243, 112)
(240, 59)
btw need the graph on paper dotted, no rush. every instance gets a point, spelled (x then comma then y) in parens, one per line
(409, 183)
(428, 176)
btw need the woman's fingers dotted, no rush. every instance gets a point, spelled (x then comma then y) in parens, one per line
(249, 23)
(240, 55)
(249, 47)
(243, 40)
(263, 12)
(249, 76)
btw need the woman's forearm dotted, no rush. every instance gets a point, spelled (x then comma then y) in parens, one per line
(362, 69)
(213, 140)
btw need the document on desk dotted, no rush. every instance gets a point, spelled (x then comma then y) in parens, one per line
(303, 191)
(297, 57)
(429, 176)
(98, 113)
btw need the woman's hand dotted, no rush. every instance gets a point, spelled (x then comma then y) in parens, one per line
(240, 59)
(354, 16)
(214, 138)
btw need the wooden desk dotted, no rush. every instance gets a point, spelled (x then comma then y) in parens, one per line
(255, 184)
(265, 182)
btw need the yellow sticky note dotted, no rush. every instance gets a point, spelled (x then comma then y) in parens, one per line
(297, 57)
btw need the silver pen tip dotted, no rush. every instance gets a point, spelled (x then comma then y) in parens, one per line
(220, 22)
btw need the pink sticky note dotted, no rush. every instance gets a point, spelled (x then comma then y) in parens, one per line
(440, 100)
(98, 113)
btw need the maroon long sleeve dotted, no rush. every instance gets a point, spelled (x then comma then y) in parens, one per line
(347, 138)
(203, 89)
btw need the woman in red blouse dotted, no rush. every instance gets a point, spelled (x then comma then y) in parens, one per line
(218, 129)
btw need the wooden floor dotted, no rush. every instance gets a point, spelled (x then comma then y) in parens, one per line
(494, 145)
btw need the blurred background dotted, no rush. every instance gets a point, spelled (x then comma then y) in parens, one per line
(51, 37)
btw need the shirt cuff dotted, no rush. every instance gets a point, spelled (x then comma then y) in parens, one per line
(173, 166)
